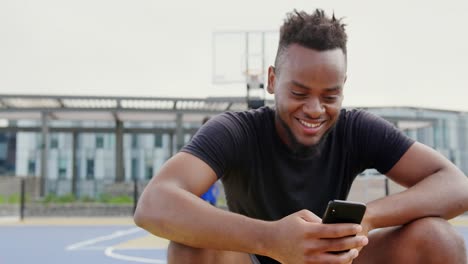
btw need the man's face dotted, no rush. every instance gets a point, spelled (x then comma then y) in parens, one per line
(308, 88)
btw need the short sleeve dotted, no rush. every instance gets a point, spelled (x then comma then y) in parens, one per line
(216, 142)
(376, 143)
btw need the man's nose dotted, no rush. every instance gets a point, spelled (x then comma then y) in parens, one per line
(313, 108)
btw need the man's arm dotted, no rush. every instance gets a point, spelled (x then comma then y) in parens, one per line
(436, 187)
(169, 207)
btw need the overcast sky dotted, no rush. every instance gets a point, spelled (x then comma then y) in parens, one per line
(401, 53)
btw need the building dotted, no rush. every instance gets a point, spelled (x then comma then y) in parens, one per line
(82, 144)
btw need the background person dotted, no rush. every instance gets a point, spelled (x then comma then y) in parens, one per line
(211, 195)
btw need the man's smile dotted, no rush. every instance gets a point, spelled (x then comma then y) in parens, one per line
(314, 124)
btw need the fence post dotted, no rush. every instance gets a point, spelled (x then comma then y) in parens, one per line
(22, 198)
(135, 193)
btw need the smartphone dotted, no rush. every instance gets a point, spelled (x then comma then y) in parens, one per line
(339, 211)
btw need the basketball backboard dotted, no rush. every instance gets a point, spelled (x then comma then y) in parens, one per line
(238, 55)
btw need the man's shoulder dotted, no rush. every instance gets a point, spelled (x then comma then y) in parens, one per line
(352, 121)
(357, 115)
(258, 112)
(247, 116)
(354, 112)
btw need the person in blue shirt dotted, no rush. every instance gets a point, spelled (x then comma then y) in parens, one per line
(211, 195)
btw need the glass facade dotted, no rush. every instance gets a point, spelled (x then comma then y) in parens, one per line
(445, 131)
(145, 150)
(7, 153)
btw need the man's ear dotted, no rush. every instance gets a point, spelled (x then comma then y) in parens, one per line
(342, 92)
(271, 80)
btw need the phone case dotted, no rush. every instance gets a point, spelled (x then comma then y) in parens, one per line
(339, 211)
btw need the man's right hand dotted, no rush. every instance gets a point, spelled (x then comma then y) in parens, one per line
(301, 238)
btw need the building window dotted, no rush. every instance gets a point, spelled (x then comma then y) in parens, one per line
(31, 168)
(99, 141)
(90, 169)
(62, 170)
(134, 168)
(39, 142)
(54, 141)
(158, 141)
(134, 141)
(149, 172)
(3, 150)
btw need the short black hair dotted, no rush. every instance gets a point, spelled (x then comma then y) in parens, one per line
(315, 31)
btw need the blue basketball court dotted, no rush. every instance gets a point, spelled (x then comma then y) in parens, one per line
(104, 241)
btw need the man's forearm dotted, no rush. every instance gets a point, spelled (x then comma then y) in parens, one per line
(443, 194)
(180, 216)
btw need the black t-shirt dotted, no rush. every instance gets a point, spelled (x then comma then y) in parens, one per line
(264, 179)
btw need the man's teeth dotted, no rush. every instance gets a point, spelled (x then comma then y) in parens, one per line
(311, 125)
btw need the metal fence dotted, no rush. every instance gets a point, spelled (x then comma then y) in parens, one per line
(19, 196)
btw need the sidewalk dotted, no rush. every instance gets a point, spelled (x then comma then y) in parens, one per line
(461, 220)
(66, 221)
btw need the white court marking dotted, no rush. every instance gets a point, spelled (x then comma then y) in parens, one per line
(96, 240)
(109, 251)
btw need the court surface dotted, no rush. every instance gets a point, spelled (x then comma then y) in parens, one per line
(91, 240)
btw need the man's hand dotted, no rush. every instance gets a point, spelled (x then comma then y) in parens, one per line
(366, 228)
(301, 238)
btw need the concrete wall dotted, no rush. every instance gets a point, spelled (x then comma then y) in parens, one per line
(364, 189)
(11, 185)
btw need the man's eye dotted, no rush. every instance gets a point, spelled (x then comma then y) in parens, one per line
(330, 98)
(298, 94)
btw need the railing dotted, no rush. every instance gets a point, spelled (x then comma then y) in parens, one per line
(19, 196)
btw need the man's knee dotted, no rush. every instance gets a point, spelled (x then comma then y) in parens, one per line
(426, 240)
(176, 252)
(179, 253)
(435, 238)
(433, 230)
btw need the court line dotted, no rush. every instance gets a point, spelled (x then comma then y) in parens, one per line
(93, 241)
(110, 253)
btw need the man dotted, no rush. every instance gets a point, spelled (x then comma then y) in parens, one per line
(281, 166)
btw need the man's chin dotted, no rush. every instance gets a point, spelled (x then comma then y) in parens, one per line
(309, 142)
(304, 145)
(311, 145)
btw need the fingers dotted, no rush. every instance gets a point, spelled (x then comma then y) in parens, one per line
(310, 241)
(342, 258)
(333, 230)
(341, 244)
(308, 216)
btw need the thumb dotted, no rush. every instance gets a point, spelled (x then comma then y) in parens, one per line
(308, 216)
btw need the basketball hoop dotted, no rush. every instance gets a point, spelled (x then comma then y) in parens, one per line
(254, 79)
(255, 91)
(241, 57)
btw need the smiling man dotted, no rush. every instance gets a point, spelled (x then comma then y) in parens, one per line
(280, 166)
(309, 92)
